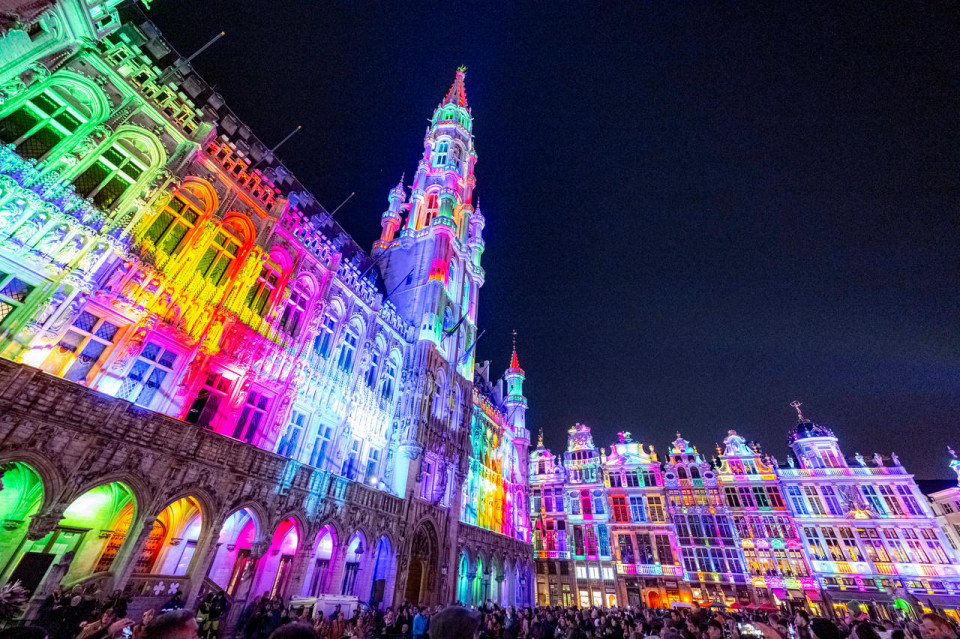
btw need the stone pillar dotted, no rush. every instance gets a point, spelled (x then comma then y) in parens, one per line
(338, 561)
(202, 560)
(301, 561)
(126, 559)
(471, 577)
(450, 560)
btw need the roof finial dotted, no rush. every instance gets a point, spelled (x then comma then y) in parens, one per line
(514, 339)
(540, 438)
(797, 406)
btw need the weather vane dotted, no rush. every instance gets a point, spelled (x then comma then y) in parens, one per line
(797, 406)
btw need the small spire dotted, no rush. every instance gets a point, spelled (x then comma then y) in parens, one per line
(514, 360)
(540, 439)
(457, 95)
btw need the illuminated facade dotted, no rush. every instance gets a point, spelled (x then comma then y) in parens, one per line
(712, 560)
(278, 410)
(556, 585)
(946, 506)
(869, 533)
(740, 530)
(772, 550)
(644, 544)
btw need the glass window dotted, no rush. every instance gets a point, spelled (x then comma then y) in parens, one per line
(153, 366)
(111, 174)
(42, 122)
(321, 446)
(13, 292)
(215, 389)
(216, 261)
(173, 223)
(87, 340)
(254, 410)
(289, 445)
(371, 375)
(440, 156)
(388, 380)
(294, 311)
(258, 297)
(347, 350)
(323, 341)
(373, 458)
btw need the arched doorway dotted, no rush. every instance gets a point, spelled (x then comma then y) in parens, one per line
(382, 563)
(476, 595)
(421, 580)
(233, 564)
(275, 565)
(172, 541)
(351, 567)
(21, 493)
(318, 573)
(463, 583)
(414, 581)
(653, 599)
(85, 541)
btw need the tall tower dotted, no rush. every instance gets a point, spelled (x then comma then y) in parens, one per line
(430, 260)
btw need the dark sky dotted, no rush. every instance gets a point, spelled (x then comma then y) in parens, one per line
(696, 212)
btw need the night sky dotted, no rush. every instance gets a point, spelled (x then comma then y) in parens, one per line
(696, 213)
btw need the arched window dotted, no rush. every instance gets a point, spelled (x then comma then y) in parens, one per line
(44, 120)
(295, 309)
(370, 377)
(324, 340)
(694, 472)
(681, 472)
(440, 155)
(175, 221)
(432, 207)
(114, 171)
(258, 298)
(220, 254)
(348, 349)
(389, 379)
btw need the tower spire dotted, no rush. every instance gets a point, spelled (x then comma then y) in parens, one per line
(457, 95)
(514, 360)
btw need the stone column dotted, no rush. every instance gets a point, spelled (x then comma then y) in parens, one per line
(450, 560)
(298, 571)
(126, 559)
(202, 560)
(471, 577)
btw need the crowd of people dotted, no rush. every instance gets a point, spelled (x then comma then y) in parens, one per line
(80, 615)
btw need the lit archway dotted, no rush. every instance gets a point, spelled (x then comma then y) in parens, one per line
(84, 542)
(351, 566)
(233, 564)
(277, 563)
(319, 572)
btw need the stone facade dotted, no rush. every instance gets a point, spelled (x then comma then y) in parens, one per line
(210, 384)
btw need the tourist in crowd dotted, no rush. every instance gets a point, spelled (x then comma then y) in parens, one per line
(270, 618)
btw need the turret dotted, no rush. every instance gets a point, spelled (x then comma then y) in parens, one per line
(391, 218)
(815, 446)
